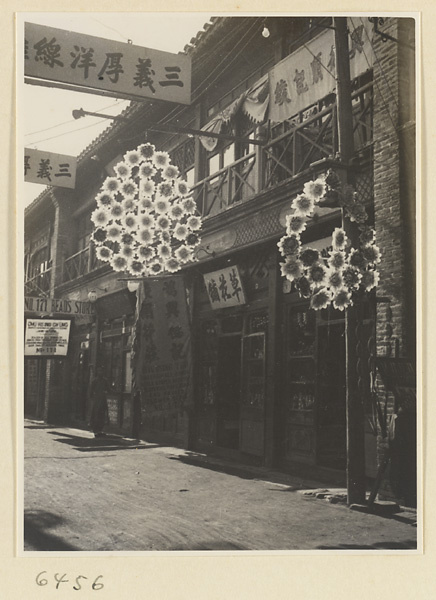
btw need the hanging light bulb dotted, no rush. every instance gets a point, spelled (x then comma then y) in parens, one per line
(265, 32)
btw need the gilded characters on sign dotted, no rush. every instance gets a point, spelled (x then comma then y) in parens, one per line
(144, 74)
(83, 59)
(235, 284)
(281, 94)
(63, 170)
(112, 66)
(300, 81)
(223, 287)
(44, 169)
(48, 52)
(213, 291)
(172, 77)
(316, 65)
(356, 41)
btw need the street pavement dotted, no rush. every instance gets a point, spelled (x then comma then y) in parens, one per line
(116, 494)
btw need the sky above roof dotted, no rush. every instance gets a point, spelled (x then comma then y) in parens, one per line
(44, 115)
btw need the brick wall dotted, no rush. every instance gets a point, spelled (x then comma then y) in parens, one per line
(394, 191)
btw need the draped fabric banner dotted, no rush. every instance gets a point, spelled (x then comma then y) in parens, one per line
(254, 103)
(163, 359)
(309, 74)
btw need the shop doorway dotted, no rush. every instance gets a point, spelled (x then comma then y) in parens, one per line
(229, 391)
(331, 406)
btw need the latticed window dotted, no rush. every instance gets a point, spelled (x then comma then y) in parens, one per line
(84, 230)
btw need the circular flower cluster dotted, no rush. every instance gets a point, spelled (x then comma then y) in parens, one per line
(146, 222)
(333, 277)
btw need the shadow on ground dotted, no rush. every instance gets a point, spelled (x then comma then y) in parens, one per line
(212, 545)
(407, 545)
(108, 442)
(37, 534)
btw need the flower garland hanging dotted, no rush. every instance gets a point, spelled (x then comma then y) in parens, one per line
(146, 222)
(333, 279)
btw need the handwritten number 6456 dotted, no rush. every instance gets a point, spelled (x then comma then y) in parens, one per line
(42, 581)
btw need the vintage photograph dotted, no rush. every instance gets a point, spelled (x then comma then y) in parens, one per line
(219, 250)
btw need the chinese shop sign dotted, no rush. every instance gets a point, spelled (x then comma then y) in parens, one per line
(87, 61)
(164, 357)
(49, 169)
(44, 306)
(307, 75)
(224, 287)
(46, 337)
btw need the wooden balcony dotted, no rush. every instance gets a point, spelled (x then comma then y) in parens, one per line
(308, 138)
(39, 285)
(80, 264)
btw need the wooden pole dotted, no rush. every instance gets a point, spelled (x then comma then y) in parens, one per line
(355, 413)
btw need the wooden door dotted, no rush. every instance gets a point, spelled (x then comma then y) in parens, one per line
(253, 394)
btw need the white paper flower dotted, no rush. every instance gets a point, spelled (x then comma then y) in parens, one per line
(119, 263)
(182, 188)
(114, 232)
(163, 222)
(103, 253)
(183, 254)
(128, 204)
(146, 221)
(146, 151)
(370, 280)
(146, 236)
(104, 199)
(303, 205)
(164, 251)
(100, 217)
(315, 189)
(160, 160)
(337, 260)
(136, 267)
(155, 267)
(146, 188)
(172, 265)
(111, 185)
(342, 299)
(146, 204)
(339, 239)
(194, 223)
(146, 252)
(165, 189)
(147, 170)
(334, 279)
(132, 158)
(117, 211)
(291, 269)
(180, 232)
(129, 189)
(189, 206)
(130, 222)
(176, 211)
(295, 224)
(170, 172)
(126, 251)
(123, 170)
(321, 299)
(161, 205)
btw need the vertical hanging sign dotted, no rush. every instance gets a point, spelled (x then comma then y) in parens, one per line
(75, 59)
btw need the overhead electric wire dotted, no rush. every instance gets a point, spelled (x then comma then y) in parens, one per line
(68, 132)
(71, 120)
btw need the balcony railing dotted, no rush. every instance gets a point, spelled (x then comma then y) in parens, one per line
(81, 263)
(308, 138)
(38, 285)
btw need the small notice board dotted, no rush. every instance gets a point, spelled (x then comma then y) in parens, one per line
(46, 337)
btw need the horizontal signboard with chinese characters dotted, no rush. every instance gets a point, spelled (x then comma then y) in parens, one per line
(50, 306)
(309, 73)
(82, 60)
(49, 168)
(45, 337)
(224, 287)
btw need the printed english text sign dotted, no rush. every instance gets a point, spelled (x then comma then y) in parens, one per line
(46, 337)
(224, 287)
(82, 60)
(49, 168)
